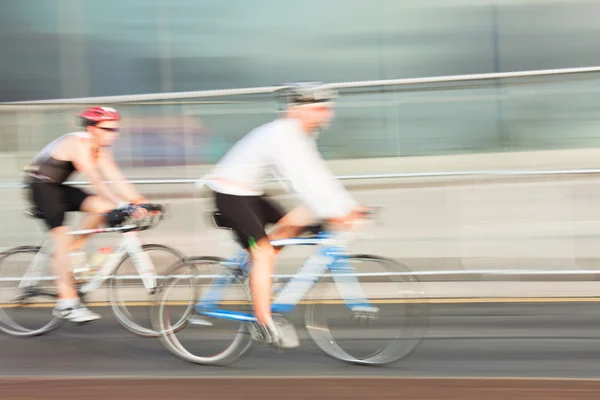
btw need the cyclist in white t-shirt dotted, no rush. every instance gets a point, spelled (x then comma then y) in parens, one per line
(287, 148)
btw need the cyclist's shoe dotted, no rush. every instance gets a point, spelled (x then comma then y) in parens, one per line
(279, 333)
(78, 314)
(288, 337)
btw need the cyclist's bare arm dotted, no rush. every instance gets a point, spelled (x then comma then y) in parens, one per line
(81, 157)
(111, 172)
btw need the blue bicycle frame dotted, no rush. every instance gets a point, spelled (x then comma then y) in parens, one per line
(327, 257)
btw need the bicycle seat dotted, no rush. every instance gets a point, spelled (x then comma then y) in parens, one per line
(35, 212)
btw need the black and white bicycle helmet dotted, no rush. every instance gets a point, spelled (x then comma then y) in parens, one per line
(301, 93)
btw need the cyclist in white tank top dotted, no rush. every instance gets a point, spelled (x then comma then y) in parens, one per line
(85, 152)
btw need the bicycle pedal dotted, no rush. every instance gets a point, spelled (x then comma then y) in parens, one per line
(285, 336)
(257, 333)
(289, 337)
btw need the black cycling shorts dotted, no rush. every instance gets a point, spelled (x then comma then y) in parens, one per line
(248, 216)
(54, 200)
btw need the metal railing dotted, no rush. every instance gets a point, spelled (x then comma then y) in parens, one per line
(236, 96)
(271, 89)
(439, 174)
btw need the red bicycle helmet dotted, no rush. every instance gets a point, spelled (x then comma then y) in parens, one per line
(94, 115)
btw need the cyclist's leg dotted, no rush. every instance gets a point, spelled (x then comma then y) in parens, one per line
(263, 254)
(61, 262)
(245, 216)
(48, 198)
(291, 224)
(280, 333)
(96, 207)
(54, 202)
(261, 281)
(69, 306)
(248, 218)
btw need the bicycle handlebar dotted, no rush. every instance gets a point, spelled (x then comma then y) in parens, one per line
(372, 211)
(370, 214)
(153, 207)
(356, 231)
(121, 216)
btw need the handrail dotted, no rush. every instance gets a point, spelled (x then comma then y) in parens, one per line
(184, 181)
(271, 89)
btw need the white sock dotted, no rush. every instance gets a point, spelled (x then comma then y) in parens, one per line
(63, 304)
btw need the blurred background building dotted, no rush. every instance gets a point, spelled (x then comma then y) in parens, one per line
(55, 49)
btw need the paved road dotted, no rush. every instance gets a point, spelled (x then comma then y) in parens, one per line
(465, 346)
(463, 340)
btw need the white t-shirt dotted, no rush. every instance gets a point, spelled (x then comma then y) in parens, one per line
(281, 148)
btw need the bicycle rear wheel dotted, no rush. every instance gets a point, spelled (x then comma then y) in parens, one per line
(25, 311)
(201, 340)
(393, 332)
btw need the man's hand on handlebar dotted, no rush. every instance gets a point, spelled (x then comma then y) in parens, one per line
(139, 212)
(142, 208)
(135, 213)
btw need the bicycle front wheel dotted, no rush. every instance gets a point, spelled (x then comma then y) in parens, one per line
(25, 311)
(380, 335)
(202, 340)
(130, 301)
